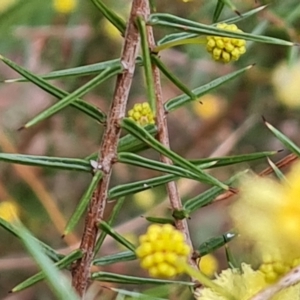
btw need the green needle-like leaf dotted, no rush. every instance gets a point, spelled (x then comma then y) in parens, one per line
(51, 253)
(62, 264)
(143, 135)
(147, 63)
(206, 197)
(116, 236)
(83, 106)
(134, 295)
(218, 10)
(172, 77)
(111, 16)
(60, 285)
(114, 215)
(186, 25)
(176, 37)
(139, 186)
(126, 279)
(81, 207)
(63, 163)
(277, 171)
(76, 72)
(284, 139)
(129, 143)
(136, 160)
(114, 258)
(106, 74)
(183, 99)
(215, 243)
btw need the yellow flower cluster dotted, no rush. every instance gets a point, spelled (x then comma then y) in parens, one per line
(226, 49)
(142, 114)
(243, 285)
(9, 211)
(64, 6)
(161, 250)
(274, 268)
(268, 214)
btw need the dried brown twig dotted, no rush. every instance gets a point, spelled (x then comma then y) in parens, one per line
(108, 149)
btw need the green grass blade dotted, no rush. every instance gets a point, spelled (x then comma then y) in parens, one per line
(63, 163)
(176, 37)
(173, 78)
(111, 16)
(114, 214)
(62, 264)
(183, 99)
(85, 107)
(60, 286)
(106, 74)
(114, 258)
(116, 236)
(75, 72)
(143, 135)
(83, 203)
(126, 279)
(215, 243)
(186, 25)
(283, 139)
(50, 252)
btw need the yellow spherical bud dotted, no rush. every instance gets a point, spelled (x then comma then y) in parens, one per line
(223, 48)
(64, 6)
(208, 265)
(142, 114)
(162, 250)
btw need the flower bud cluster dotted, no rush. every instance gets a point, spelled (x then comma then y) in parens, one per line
(142, 114)
(161, 250)
(226, 49)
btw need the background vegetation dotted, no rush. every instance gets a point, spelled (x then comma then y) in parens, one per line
(228, 122)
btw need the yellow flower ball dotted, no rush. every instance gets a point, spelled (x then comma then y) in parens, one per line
(286, 83)
(208, 265)
(226, 49)
(9, 211)
(64, 6)
(142, 114)
(161, 251)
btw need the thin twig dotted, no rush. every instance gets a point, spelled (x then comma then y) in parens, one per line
(108, 149)
(163, 137)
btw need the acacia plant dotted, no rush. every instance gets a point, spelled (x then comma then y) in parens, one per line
(125, 135)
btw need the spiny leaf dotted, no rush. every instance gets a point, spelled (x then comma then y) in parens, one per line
(71, 98)
(63, 163)
(85, 107)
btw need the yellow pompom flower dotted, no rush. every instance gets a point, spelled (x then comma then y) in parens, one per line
(9, 211)
(208, 265)
(142, 114)
(243, 285)
(267, 213)
(286, 83)
(64, 6)
(226, 49)
(160, 250)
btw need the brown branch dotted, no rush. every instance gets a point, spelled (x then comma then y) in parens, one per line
(108, 149)
(163, 137)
